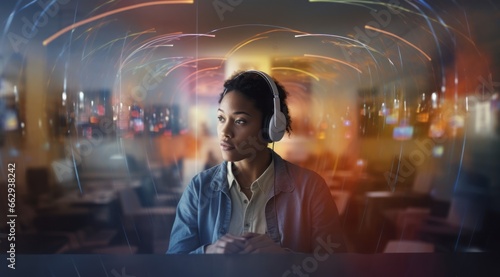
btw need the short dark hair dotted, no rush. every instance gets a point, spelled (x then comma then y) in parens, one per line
(255, 88)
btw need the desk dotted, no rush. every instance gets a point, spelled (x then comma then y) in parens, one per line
(366, 221)
(409, 265)
(101, 206)
(75, 198)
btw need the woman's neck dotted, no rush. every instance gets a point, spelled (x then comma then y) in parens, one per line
(248, 170)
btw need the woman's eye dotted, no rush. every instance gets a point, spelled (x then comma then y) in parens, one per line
(240, 121)
(220, 118)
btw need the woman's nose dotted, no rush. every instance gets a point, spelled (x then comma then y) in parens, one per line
(225, 130)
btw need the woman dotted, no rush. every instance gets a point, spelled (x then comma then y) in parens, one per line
(254, 201)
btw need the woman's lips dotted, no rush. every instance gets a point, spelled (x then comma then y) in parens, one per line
(226, 146)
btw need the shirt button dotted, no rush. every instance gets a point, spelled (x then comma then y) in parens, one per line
(247, 225)
(245, 201)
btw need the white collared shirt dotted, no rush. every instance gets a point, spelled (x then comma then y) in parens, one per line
(249, 215)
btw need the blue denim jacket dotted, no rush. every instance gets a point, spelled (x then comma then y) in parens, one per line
(300, 212)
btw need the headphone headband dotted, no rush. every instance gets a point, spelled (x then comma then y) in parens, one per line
(276, 126)
(269, 80)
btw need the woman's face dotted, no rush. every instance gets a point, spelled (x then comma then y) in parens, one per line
(239, 128)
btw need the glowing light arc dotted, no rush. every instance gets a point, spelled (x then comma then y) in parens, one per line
(400, 38)
(119, 10)
(335, 60)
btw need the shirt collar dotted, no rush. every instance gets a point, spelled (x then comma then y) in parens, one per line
(230, 176)
(265, 180)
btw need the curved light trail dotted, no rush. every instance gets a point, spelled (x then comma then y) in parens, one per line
(94, 18)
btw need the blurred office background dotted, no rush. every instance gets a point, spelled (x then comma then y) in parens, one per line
(108, 108)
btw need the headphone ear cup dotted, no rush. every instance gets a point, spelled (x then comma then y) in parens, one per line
(265, 129)
(277, 128)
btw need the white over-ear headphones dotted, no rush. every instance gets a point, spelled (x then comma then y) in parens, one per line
(274, 127)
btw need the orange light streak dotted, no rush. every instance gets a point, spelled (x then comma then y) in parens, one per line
(160, 42)
(188, 78)
(237, 47)
(335, 60)
(400, 38)
(296, 69)
(258, 37)
(192, 61)
(117, 39)
(119, 10)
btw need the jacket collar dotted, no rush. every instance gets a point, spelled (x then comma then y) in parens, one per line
(283, 180)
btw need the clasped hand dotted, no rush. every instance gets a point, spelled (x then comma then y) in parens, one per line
(247, 243)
